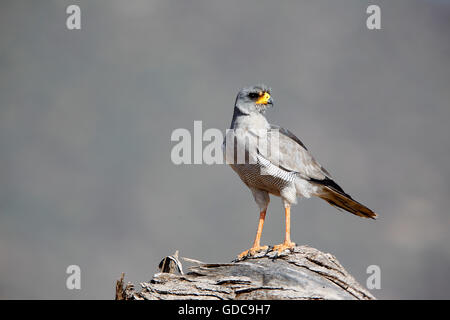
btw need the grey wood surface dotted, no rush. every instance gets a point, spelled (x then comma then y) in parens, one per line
(304, 273)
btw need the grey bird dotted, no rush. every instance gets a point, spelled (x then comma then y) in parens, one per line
(272, 160)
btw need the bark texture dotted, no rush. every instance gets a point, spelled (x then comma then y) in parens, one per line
(304, 273)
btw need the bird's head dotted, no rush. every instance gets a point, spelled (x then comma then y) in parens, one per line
(254, 99)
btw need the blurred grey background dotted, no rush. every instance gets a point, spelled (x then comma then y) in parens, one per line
(86, 118)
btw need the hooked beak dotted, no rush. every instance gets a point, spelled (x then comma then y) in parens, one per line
(265, 99)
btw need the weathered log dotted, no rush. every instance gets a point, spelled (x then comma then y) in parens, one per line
(304, 273)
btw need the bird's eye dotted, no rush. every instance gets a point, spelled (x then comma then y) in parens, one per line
(253, 95)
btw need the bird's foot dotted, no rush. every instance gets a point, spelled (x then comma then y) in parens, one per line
(252, 251)
(287, 245)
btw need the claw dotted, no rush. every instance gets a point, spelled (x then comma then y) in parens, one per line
(252, 251)
(279, 248)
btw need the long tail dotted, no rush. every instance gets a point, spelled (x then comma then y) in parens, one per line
(334, 195)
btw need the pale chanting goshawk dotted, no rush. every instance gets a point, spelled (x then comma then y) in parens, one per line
(289, 172)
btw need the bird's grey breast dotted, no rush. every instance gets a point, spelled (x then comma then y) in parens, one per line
(252, 167)
(242, 139)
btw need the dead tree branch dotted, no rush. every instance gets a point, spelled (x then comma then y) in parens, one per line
(305, 273)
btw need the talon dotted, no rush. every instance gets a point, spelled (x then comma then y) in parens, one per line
(279, 248)
(252, 251)
(242, 255)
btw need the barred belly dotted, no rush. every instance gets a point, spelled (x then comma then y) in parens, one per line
(261, 177)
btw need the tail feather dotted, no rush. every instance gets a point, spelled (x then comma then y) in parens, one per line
(340, 199)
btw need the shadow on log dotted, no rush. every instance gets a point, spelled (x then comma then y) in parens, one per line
(304, 273)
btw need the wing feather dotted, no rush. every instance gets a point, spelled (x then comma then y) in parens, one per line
(292, 154)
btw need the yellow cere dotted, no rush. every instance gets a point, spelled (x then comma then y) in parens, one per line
(263, 98)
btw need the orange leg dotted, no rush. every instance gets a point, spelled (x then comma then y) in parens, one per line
(257, 243)
(287, 244)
